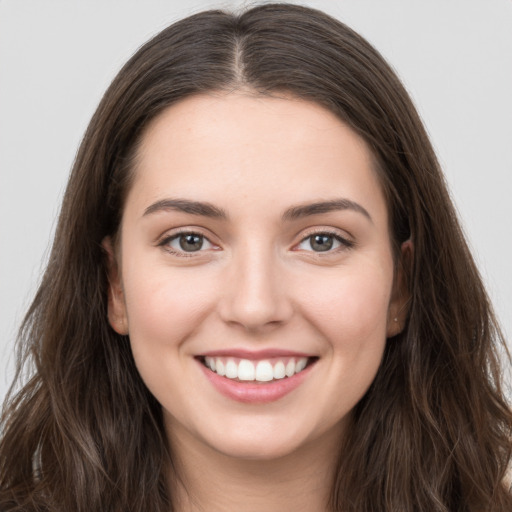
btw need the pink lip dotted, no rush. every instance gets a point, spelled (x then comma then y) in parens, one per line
(250, 392)
(254, 355)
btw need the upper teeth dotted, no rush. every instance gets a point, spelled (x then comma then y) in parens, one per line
(262, 371)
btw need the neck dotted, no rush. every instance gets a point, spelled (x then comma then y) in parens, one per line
(210, 481)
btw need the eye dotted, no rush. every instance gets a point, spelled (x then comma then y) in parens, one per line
(323, 242)
(187, 242)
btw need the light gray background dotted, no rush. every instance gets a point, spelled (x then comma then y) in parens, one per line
(58, 57)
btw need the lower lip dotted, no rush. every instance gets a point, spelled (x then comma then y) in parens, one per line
(255, 393)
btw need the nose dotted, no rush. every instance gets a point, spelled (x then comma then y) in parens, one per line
(255, 296)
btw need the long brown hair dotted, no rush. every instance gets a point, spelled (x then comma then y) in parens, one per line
(433, 433)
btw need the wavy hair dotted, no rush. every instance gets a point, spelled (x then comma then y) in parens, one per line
(433, 432)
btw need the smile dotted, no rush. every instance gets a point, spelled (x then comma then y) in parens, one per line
(265, 370)
(256, 377)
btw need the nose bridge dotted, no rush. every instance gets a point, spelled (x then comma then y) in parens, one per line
(256, 296)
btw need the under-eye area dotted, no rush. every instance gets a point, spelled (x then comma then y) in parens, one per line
(264, 370)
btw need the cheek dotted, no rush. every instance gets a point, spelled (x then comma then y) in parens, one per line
(351, 308)
(165, 306)
(165, 309)
(351, 316)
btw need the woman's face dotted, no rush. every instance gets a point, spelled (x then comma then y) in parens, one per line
(254, 240)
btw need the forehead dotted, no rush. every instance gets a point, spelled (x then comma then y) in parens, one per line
(269, 151)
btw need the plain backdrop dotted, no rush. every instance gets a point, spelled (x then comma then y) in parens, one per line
(58, 57)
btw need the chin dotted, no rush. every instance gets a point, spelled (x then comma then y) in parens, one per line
(264, 440)
(257, 449)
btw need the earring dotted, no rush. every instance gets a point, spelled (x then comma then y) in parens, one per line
(401, 309)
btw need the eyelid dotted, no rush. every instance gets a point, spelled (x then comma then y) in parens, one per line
(184, 230)
(173, 234)
(346, 242)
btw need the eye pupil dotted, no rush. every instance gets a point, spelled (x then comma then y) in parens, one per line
(191, 242)
(321, 242)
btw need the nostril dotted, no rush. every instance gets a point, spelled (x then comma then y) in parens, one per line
(255, 296)
(255, 315)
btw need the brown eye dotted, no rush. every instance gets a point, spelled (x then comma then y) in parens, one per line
(324, 242)
(187, 243)
(321, 242)
(191, 242)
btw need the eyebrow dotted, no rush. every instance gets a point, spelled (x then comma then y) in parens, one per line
(206, 209)
(301, 211)
(187, 206)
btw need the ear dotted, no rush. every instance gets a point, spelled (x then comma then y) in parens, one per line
(116, 304)
(400, 297)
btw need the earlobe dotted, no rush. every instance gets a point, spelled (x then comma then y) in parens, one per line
(116, 303)
(399, 306)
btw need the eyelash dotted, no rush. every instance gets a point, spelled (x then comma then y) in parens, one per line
(344, 243)
(182, 254)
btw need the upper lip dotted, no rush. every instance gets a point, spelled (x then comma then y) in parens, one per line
(254, 354)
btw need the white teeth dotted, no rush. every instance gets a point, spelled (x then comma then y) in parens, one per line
(220, 368)
(231, 369)
(279, 371)
(246, 370)
(301, 364)
(262, 371)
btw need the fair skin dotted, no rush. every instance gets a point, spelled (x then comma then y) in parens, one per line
(254, 275)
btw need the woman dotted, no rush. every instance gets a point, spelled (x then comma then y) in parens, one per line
(259, 296)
